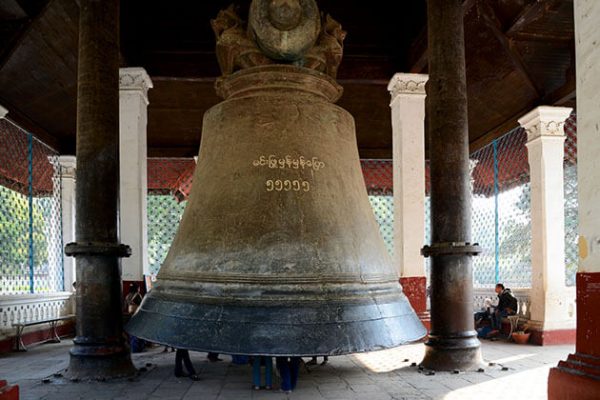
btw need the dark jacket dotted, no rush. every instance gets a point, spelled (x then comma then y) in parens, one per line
(507, 302)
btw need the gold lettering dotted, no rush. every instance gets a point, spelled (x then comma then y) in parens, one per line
(289, 162)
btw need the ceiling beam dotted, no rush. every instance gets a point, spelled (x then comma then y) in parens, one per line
(564, 94)
(418, 59)
(499, 131)
(173, 152)
(19, 36)
(492, 22)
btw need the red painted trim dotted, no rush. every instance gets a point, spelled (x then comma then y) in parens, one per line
(415, 288)
(64, 330)
(579, 376)
(8, 392)
(588, 316)
(545, 338)
(576, 378)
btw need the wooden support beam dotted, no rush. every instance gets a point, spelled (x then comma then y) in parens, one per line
(418, 58)
(22, 32)
(493, 134)
(488, 15)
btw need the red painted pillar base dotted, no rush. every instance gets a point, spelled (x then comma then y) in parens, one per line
(579, 376)
(415, 289)
(8, 392)
(545, 338)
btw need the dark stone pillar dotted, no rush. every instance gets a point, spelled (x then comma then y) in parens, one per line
(100, 351)
(453, 342)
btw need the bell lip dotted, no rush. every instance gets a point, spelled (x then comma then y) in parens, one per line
(268, 80)
(371, 325)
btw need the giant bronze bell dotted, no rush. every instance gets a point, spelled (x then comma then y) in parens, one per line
(278, 251)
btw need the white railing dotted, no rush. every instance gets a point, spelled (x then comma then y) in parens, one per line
(32, 307)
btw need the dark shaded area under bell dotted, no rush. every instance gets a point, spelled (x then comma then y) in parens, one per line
(278, 251)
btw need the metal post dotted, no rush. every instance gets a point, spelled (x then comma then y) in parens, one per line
(30, 209)
(100, 352)
(496, 216)
(453, 342)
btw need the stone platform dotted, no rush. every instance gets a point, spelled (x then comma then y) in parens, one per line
(383, 375)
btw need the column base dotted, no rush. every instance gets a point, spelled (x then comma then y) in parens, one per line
(452, 353)
(99, 362)
(577, 378)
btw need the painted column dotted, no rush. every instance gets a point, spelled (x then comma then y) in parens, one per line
(453, 342)
(67, 165)
(99, 349)
(408, 131)
(133, 119)
(579, 376)
(550, 321)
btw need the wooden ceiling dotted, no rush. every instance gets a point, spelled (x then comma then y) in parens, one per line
(520, 54)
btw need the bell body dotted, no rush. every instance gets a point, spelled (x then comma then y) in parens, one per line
(278, 251)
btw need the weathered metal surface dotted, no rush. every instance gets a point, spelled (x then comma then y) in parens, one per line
(285, 29)
(442, 248)
(453, 342)
(278, 251)
(99, 350)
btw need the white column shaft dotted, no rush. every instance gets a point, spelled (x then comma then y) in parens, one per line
(133, 103)
(545, 145)
(408, 132)
(587, 44)
(67, 173)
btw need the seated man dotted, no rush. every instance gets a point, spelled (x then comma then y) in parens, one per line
(507, 305)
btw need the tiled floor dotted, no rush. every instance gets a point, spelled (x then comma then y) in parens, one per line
(380, 375)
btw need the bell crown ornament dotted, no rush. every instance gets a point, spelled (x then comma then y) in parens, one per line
(278, 251)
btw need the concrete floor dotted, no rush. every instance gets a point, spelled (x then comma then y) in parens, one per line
(382, 375)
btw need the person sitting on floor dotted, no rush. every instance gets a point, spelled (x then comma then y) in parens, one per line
(507, 305)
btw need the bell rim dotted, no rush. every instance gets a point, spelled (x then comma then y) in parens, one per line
(377, 323)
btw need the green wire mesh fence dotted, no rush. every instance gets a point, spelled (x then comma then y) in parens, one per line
(169, 184)
(378, 180)
(31, 256)
(571, 200)
(501, 219)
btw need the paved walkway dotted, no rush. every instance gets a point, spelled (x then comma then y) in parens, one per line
(383, 375)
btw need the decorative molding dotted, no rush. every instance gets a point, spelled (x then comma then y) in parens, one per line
(3, 112)
(545, 121)
(135, 79)
(407, 84)
(66, 165)
(242, 44)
